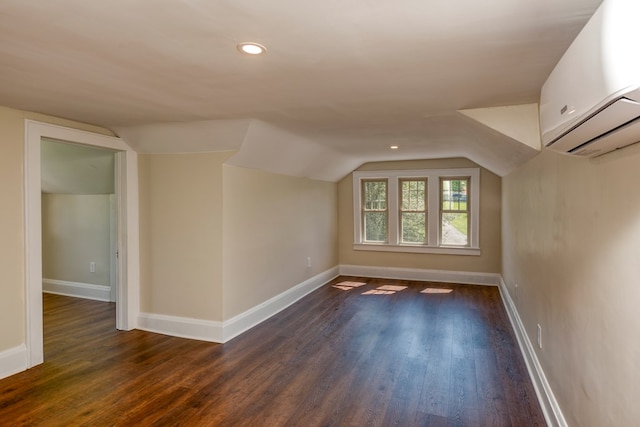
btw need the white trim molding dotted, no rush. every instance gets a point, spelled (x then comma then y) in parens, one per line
(13, 360)
(183, 327)
(550, 407)
(221, 332)
(415, 249)
(76, 289)
(465, 277)
(128, 283)
(258, 314)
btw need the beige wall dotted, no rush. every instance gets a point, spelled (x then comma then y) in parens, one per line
(12, 279)
(490, 244)
(272, 223)
(571, 230)
(181, 234)
(75, 232)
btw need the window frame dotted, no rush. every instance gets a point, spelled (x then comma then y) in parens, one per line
(442, 211)
(364, 210)
(394, 237)
(401, 211)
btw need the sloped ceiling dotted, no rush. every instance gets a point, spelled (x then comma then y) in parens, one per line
(348, 78)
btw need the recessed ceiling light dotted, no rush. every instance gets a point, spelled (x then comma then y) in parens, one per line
(251, 48)
(393, 147)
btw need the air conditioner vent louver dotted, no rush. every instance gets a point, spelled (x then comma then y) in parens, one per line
(621, 137)
(622, 114)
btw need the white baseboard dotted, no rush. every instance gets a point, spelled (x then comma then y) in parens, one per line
(490, 279)
(213, 331)
(250, 318)
(13, 360)
(75, 289)
(184, 327)
(550, 407)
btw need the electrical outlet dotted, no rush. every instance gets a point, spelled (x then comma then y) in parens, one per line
(539, 336)
(515, 291)
(308, 262)
(92, 267)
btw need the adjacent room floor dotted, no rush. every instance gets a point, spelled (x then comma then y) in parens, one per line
(355, 352)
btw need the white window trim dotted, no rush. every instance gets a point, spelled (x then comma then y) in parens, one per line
(433, 183)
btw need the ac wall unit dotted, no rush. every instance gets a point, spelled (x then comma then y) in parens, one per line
(590, 104)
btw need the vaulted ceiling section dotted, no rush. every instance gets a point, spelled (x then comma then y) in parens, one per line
(340, 81)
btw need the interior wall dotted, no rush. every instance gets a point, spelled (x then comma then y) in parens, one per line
(272, 224)
(571, 239)
(490, 216)
(12, 256)
(76, 231)
(181, 234)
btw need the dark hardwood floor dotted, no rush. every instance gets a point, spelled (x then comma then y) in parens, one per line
(431, 354)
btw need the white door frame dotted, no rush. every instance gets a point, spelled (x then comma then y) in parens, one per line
(128, 262)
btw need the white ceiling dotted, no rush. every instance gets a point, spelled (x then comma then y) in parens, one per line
(351, 77)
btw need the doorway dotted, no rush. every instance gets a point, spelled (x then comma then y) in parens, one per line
(79, 221)
(126, 241)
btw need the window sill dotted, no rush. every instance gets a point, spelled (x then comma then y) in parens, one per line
(450, 250)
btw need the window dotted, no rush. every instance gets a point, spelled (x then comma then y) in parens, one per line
(413, 210)
(454, 211)
(374, 210)
(428, 211)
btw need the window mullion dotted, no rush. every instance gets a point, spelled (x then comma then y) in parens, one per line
(393, 211)
(433, 213)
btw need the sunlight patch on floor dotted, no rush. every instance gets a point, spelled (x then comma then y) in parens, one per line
(436, 291)
(395, 288)
(347, 286)
(378, 292)
(385, 290)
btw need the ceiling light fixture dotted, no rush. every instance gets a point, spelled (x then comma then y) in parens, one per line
(394, 147)
(251, 48)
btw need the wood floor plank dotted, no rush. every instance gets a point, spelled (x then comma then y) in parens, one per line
(435, 394)
(403, 407)
(411, 353)
(463, 395)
